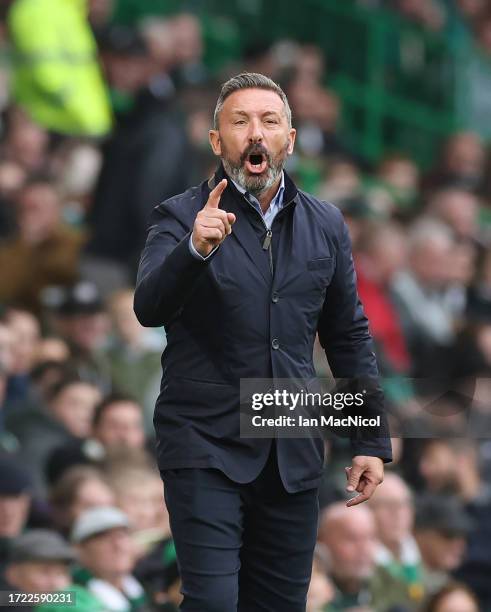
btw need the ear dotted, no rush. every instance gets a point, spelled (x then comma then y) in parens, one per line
(214, 138)
(291, 140)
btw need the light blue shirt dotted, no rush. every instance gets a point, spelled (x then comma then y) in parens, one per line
(274, 208)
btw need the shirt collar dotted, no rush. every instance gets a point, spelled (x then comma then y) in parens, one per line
(276, 201)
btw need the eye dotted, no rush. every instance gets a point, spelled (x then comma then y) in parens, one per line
(271, 121)
(239, 122)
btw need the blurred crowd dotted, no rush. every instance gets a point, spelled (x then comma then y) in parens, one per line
(81, 501)
(451, 16)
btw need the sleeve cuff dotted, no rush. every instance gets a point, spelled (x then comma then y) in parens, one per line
(195, 253)
(383, 450)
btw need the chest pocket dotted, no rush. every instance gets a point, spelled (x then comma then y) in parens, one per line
(321, 263)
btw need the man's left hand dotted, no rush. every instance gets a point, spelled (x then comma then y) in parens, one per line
(364, 476)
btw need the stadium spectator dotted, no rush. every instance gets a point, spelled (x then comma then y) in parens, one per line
(342, 182)
(462, 164)
(144, 161)
(401, 176)
(138, 493)
(66, 417)
(483, 30)
(349, 535)
(43, 252)
(8, 442)
(459, 209)
(419, 292)
(472, 9)
(25, 143)
(394, 190)
(452, 598)
(15, 501)
(24, 331)
(134, 355)
(452, 466)
(188, 50)
(116, 429)
(428, 13)
(50, 349)
(107, 559)
(68, 315)
(321, 591)
(441, 528)
(118, 422)
(380, 255)
(397, 551)
(57, 78)
(12, 177)
(79, 316)
(479, 295)
(79, 488)
(38, 562)
(317, 114)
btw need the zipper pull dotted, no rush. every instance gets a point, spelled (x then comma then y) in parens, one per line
(267, 240)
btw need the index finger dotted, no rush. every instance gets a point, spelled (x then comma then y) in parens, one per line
(366, 494)
(216, 194)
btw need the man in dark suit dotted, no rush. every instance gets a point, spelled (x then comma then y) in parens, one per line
(242, 271)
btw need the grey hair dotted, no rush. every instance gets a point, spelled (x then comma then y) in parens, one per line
(250, 80)
(428, 229)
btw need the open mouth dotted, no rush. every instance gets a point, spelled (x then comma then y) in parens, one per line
(256, 163)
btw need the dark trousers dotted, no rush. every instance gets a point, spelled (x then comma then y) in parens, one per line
(241, 547)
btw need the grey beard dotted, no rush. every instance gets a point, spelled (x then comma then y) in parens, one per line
(255, 185)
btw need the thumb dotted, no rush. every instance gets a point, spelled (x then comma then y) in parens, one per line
(231, 218)
(354, 478)
(216, 194)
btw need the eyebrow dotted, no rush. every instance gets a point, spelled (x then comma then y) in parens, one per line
(263, 114)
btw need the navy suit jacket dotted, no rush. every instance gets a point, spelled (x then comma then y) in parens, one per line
(229, 318)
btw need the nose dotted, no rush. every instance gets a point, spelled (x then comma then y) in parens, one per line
(255, 131)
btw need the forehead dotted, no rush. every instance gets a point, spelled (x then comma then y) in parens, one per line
(253, 101)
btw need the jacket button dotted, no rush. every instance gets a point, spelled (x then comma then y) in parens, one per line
(275, 297)
(275, 343)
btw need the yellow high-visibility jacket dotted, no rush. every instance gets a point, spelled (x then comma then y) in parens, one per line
(56, 76)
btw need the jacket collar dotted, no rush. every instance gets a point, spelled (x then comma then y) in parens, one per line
(233, 201)
(290, 193)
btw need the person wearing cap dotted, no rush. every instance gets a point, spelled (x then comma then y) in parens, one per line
(15, 501)
(80, 317)
(243, 271)
(441, 529)
(39, 562)
(107, 557)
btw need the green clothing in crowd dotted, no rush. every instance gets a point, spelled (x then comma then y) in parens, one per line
(132, 597)
(380, 593)
(84, 602)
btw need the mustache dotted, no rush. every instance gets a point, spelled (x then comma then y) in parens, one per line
(256, 149)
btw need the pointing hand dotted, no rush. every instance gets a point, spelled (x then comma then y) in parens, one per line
(212, 224)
